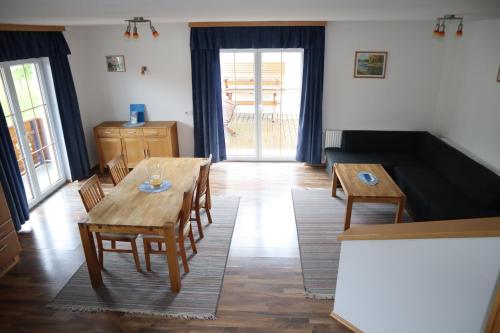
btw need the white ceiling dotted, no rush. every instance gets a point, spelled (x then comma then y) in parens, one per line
(91, 12)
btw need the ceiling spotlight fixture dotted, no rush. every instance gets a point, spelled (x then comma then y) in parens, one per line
(439, 28)
(126, 34)
(138, 20)
(135, 35)
(459, 32)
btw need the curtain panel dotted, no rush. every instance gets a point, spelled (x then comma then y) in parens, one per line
(10, 177)
(17, 45)
(207, 101)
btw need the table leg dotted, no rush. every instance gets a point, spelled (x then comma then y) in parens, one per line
(348, 212)
(90, 255)
(335, 182)
(172, 259)
(401, 208)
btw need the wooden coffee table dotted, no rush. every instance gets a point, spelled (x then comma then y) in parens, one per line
(386, 191)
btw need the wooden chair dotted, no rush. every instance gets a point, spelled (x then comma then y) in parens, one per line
(202, 197)
(91, 193)
(183, 229)
(118, 169)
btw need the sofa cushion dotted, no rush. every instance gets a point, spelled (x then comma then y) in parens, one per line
(469, 177)
(432, 197)
(388, 160)
(380, 141)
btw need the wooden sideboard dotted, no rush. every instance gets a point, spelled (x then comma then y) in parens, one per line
(155, 139)
(9, 244)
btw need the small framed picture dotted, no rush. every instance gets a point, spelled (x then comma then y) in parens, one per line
(370, 64)
(115, 63)
(498, 74)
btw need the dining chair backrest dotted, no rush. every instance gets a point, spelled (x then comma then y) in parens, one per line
(187, 202)
(203, 179)
(91, 192)
(118, 169)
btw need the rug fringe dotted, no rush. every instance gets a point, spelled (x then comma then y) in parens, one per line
(132, 313)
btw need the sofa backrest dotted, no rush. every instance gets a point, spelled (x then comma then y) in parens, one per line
(477, 182)
(360, 141)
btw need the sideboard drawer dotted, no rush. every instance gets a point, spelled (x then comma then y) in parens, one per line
(5, 228)
(155, 131)
(9, 248)
(128, 132)
(107, 132)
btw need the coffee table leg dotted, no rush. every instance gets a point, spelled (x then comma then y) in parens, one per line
(334, 183)
(348, 212)
(401, 208)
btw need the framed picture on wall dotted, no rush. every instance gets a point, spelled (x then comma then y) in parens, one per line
(498, 74)
(115, 63)
(370, 64)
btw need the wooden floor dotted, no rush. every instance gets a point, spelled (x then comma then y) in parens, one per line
(262, 290)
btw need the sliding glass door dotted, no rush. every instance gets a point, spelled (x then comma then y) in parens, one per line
(261, 92)
(26, 108)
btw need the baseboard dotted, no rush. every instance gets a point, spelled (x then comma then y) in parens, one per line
(345, 323)
(319, 165)
(95, 169)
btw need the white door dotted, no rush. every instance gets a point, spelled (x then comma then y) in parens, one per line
(30, 119)
(261, 92)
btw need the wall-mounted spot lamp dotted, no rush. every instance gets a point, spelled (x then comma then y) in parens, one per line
(439, 28)
(135, 21)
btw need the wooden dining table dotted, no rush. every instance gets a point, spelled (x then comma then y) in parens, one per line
(127, 210)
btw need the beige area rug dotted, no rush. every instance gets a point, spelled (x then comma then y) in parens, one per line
(148, 293)
(320, 219)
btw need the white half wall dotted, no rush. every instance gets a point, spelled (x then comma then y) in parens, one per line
(165, 89)
(405, 99)
(468, 109)
(418, 285)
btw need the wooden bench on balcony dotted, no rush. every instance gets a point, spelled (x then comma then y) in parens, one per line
(241, 82)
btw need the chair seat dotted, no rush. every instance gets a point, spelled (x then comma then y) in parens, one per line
(147, 236)
(159, 237)
(116, 236)
(203, 199)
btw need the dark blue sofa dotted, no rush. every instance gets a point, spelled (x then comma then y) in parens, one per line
(439, 181)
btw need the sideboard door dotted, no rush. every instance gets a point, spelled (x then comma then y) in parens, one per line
(109, 149)
(158, 147)
(133, 150)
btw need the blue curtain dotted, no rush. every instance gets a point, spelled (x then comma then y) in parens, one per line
(207, 101)
(10, 177)
(309, 140)
(15, 45)
(71, 121)
(207, 105)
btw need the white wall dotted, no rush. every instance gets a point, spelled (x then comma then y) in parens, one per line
(424, 74)
(468, 109)
(166, 89)
(417, 285)
(405, 99)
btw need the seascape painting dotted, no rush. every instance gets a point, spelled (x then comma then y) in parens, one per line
(369, 64)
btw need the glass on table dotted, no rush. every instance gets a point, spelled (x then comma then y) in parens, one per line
(155, 174)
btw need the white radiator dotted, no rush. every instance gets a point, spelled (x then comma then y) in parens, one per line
(333, 138)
